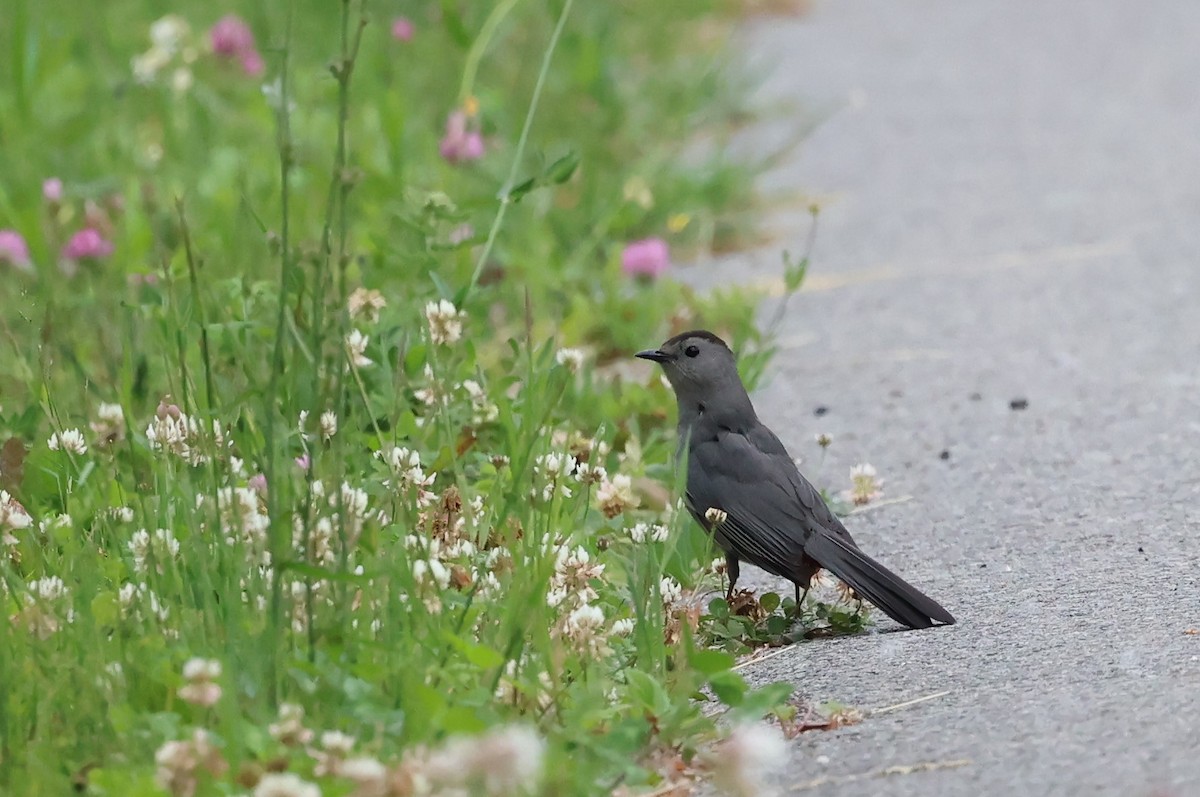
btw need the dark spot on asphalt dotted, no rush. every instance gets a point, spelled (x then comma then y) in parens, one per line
(983, 565)
(945, 454)
(1018, 404)
(975, 397)
(820, 410)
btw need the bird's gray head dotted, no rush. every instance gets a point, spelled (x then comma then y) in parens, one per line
(702, 370)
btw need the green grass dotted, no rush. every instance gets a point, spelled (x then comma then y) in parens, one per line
(241, 224)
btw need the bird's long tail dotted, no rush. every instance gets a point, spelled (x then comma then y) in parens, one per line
(894, 596)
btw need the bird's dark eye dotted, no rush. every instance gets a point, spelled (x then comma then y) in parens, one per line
(692, 351)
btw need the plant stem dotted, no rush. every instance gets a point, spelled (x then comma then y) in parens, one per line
(505, 189)
(278, 530)
(195, 282)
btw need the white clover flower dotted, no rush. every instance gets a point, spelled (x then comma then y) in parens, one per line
(243, 517)
(503, 761)
(671, 591)
(177, 763)
(355, 502)
(329, 424)
(489, 585)
(13, 517)
(586, 618)
(574, 572)
(337, 742)
(445, 321)
(865, 484)
(615, 495)
(483, 410)
(60, 521)
(584, 628)
(181, 79)
(434, 392)
(45, 606)
(109, 425)
(405, 464)
(356, 347)
(285, 784)
(131, 597)
(172, 431)
(587, 473)
(644, 531)
(201, 688)
(366, 304)
(571, 359)
(145, 66)
(50, 588)
(427, 571)
(741, 762)
(169, 33)
(70, 440)
(623, 627)
(289, 729)
(365, 772)
(551, 469)
(196, 669)
(715, 516)
(162, 545)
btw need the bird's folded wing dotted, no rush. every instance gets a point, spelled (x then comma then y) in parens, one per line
(771, 510)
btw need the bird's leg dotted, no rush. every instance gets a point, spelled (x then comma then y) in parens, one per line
(800, 597)
(731, 570)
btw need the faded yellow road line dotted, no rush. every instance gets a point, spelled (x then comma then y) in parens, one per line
(774, 286)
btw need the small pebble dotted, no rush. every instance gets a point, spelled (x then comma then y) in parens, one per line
(945, 454)
(1018, 404)
(820, 410)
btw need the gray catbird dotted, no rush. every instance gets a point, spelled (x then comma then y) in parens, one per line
(744, 488)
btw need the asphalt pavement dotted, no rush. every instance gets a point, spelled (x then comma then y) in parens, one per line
(1010, 197)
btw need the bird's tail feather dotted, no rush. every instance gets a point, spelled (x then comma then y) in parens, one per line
(894, 596)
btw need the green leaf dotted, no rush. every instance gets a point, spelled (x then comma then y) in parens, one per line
(561, 170)
(709, 662)
(729, 687)
(442, 288)
(482, 656)
(521, 189)
(105, 609)
(453, 22)
(462, 719)
(648, 692)
(794, 273)
(769, 602)
(760, 701)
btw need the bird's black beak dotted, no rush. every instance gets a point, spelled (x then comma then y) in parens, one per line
(655, 355)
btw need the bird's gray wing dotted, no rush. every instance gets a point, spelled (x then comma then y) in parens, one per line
(771, 510)
(776, 519)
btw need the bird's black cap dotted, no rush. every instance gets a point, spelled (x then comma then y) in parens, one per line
(697, 333)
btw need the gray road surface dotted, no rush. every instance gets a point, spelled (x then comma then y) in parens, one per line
(1011, 195)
